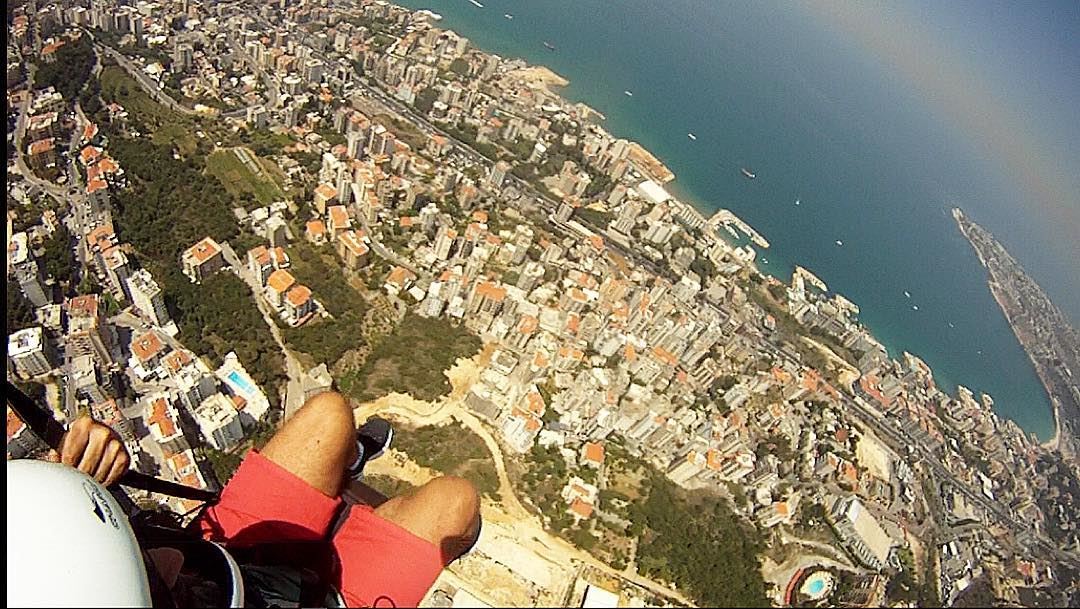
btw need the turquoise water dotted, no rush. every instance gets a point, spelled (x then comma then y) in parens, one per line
(241, 382)
(819, 121)
(815, 587)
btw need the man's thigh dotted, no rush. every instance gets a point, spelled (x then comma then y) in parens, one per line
(264, 502)
(382, 563)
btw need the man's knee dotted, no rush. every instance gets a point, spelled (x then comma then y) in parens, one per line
(324, 418)
(460, 522)
(330, 409)
(458, 499)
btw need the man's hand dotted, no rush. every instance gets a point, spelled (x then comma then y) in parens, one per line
(95, 449)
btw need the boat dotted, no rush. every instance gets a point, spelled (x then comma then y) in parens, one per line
(508, 15)
(839, 242)
(796, 202)
(691, 136)
(476, 4)
(746, 172)
(950, 325)
(907, 293)
(628, 94)
(549, 46)
(914, 307)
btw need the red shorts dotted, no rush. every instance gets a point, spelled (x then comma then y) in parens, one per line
(382, 564)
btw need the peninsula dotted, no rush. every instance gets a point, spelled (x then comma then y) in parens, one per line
(1042, 329)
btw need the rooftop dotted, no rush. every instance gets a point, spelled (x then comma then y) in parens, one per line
(147, 346)
(203, 250)
(280, 281)
(299, 295)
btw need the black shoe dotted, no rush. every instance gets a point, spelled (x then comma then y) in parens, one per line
(372, 440)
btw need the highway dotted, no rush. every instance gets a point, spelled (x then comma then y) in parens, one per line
(899, 439)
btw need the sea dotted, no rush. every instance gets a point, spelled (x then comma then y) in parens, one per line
(843, 151)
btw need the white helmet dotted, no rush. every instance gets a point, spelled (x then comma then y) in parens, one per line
(69, 542)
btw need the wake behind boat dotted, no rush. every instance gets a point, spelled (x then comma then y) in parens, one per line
(476, 4)
(549, 46)
(749, 174)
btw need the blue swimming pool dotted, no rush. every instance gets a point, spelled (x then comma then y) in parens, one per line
(241, 382)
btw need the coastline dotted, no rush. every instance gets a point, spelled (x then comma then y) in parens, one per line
(1057, 441)
(1054, 443)
(548, 80)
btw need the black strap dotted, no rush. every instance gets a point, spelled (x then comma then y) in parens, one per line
(44, 426)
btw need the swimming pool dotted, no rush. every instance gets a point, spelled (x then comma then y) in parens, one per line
(241, 382)
(818, 585)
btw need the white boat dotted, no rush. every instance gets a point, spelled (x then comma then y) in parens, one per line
(796, 202)
(476, 4)
(628, 94)
(907, 293)
(691, 136)
(839, 242)
(508, 15)
(950, 325)
(914, 307)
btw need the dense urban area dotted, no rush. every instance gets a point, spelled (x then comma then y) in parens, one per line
(218, 209)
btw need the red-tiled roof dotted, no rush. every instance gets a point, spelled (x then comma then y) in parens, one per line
(280, 281)
(146, 346)
(83, 306)
(14, 424)
(581, 508)
(41, 146)
(299, 295)
(487, 289)
(594, 451)
(326, 191)
(204, 250)
(159, 414)
(176, 360)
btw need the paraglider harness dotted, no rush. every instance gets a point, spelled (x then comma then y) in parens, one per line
(282, 574)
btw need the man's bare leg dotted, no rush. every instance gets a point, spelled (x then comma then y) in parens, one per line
(445, 511)
(318, 443)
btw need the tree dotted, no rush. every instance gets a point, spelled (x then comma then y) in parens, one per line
(425, 100)
(70, 69)
(460, 67)
(20, 313)
(59, 257)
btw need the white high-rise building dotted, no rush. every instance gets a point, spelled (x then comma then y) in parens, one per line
(498, 175)
(219, 422)
(29, 352)
(146, 295)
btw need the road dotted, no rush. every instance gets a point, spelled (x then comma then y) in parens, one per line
(294, 372)
(273, 92)
(556, 550)
(143, 79)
